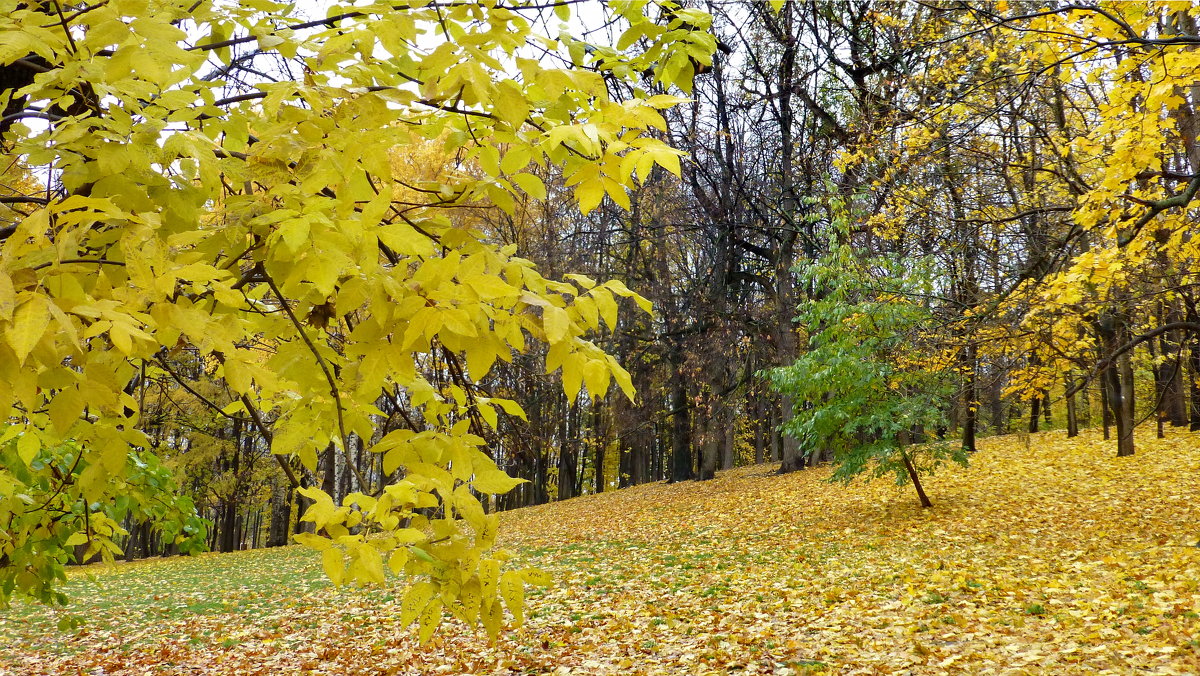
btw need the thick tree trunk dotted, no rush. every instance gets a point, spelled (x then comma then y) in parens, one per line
(281, 516)
(1128, 391)
(1194, 418)
(996, 406)
(710, 448)
(1119, 381)
(728, 442)
(792, 455)
(681, 432)
(228, 510)
(776, 435)
(568, 457)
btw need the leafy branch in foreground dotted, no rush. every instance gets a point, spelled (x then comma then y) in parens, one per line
(267, 234)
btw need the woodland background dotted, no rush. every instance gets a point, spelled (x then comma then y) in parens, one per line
(1018, 192)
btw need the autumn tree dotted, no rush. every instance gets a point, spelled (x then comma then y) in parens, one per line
(179, 218)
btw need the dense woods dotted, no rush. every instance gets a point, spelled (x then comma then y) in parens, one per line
(271, 267)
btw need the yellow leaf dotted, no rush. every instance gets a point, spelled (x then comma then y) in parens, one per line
(313, 541)
(334, 564)
(555, 322)
(29, 323)
(606, 305)
(397, 560)
(537, 577)
(429, 620)
(470, 597)
(7, 297)
(589, 194)
(495, 482)
(491, 617)
(512, 590)
(414, 602)
(28, 446)
(531, 185)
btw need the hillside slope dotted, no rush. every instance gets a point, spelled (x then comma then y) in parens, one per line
(1046, 557)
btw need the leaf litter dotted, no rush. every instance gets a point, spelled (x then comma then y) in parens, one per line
(1047, 555)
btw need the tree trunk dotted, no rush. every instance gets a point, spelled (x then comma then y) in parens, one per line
(728, 443)
(601, 441)
(1105, 409)
(760, 433)
(970, 403)
(776, 435)
(710, 448)
(1084, 413)
(302, 505)
(281, 516)
(1194, 418)
(681, 438)
(568, 458)
(1119, 379)
(916, 480)
(1072, 419)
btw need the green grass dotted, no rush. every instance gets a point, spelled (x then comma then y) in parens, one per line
(137, 597)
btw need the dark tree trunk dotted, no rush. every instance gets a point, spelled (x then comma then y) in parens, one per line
(281, 516)
(601, 440)
(1072, 418)
(1127, 415)
(302, 505)
(776, 434)
(1105, 411)
(760, 433)
(227, 523)
(728, 443)
(970, 403)
(681, 438)
(1194, 418)
(710, 448)
(916, 480)
(568, 457)
(1119, 380)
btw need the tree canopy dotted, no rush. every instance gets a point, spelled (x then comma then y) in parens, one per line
(215, 181)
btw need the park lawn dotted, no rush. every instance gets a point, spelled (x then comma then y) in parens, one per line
(1047, 555)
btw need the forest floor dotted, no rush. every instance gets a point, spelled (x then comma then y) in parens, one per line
(1045, 556)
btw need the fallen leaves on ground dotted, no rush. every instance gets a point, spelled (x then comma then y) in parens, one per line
(1047, 555)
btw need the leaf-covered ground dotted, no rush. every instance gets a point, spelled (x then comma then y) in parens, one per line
(1046, 557)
